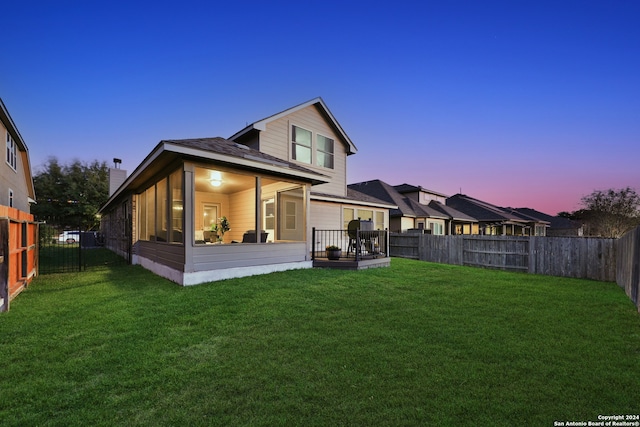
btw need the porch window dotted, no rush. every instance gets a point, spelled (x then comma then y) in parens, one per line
(301, 144)
(243, 198)
(324, 153)
(160, 216)
(161, 211)
(177, 207)
(147, 214)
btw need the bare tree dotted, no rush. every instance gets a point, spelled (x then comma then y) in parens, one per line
(611, 213)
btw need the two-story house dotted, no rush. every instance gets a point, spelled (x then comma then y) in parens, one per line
(199, 210)
(17, 226)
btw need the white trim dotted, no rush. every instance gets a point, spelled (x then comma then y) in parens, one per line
(199, 277)
(167, 147)
(338, 199)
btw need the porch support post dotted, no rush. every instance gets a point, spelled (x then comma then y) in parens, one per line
(258, 228)
(189, 209)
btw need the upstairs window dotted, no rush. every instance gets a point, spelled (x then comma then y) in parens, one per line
(325, 152)
(301, 144)
(11, 152)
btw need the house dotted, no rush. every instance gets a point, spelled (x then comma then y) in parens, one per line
(494, 220)
(273, 182)
(417, 209)
(17, 227)
(558, 226)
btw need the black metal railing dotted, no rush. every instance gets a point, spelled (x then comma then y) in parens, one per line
(354, 245)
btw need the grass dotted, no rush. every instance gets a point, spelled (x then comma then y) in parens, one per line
(413, 344)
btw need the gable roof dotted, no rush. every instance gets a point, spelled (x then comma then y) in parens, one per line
(261, 125)
(452, 213)
(218, 150)
(6, 119)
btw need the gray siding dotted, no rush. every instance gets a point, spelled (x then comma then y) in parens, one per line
(276, 142)
(15, 180)
(171, 255)
(218, 257)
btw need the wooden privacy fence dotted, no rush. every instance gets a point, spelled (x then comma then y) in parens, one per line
(18, 246)
(586, 258)
(628, 265)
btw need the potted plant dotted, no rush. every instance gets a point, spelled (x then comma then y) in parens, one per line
(221, 228)
(333, 252)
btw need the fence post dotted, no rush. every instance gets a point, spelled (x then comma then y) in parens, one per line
(313, 243)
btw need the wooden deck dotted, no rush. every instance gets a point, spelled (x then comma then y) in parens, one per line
(350, 263)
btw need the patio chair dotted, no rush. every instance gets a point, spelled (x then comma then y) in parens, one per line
(352, 231)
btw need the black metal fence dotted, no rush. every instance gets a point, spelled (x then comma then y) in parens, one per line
(64, 250)
(358, 244)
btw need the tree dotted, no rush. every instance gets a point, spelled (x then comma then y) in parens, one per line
(611, 213)
(70, 195)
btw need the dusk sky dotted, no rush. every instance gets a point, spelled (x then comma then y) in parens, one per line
(518, 103)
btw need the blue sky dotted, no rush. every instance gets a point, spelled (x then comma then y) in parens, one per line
(519, 103)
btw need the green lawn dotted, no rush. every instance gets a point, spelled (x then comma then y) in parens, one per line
(413, 344)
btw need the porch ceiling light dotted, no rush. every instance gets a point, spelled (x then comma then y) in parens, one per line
(216, 178)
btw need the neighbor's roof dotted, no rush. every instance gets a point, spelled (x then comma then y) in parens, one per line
(216, 150)
(6, 119)
(261, 125)
(484, 211)
(556, 222)
(405, 206)
(451, 212)
(408, 188)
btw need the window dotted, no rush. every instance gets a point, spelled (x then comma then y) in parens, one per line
(325, 152)
(177, 206)
(11, 152)
(436, 228)
(347, 216)
(161, 211)
(301, 144)
(378, 222)
(269, 212)
(10, 198)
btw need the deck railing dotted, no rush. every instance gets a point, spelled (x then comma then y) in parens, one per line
(361, 244)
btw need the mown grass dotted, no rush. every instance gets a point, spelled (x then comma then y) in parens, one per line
(413, 344)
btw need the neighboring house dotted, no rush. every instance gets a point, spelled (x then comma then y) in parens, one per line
(457, 222)
(558, 226)
(17, 226)
(494, 220)
(273, 181)
(415, 210)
